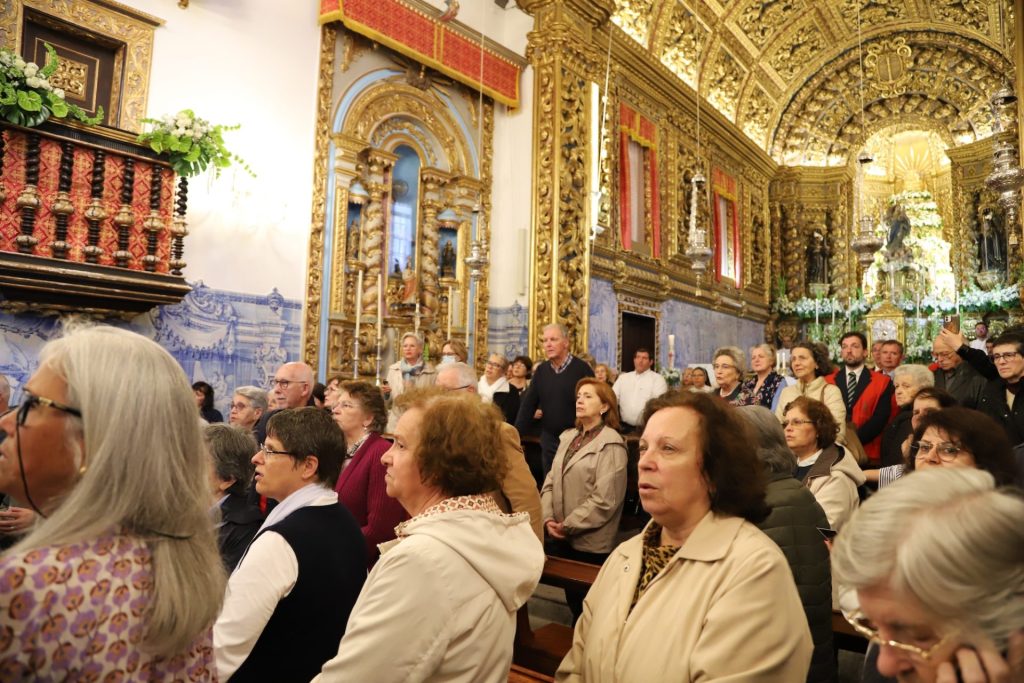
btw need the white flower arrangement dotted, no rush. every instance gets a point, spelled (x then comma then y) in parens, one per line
(672, 376)
(28, 98)
(191, 143)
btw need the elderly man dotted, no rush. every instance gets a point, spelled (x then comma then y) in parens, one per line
(957, 377)
(935, 561)
(635, 388)
(551, 395)
(518, 489)
(291, 387)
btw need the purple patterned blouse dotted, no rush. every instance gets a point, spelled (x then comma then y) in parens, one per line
(76, 613)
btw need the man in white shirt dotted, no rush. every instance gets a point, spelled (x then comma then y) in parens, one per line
(980, 337)
(634, 389)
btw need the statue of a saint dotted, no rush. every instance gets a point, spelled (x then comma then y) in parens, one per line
(396, 270)
(818, 254)
(992, 245)
(899, 229)
(448, 260)
(409, 283)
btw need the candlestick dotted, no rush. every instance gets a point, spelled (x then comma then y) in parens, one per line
(359, 320)
(416, 319)
(451, 310)
(380, 311)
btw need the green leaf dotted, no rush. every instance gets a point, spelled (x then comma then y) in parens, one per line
(52, 61)
(30, 101)
(59, 107)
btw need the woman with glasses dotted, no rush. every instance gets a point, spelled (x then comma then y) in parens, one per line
(936, 560)
(907, 380)
(729, 365)
(289, 599)
(765, 387)
(810, 363)
(960, 437)
(927, 400)
(701, 594)
(583, 493)
(362, 415)
(825, 467)
(121, 574)
(441, 603)
(247, 407)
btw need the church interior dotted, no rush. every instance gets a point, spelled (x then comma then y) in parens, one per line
(674, 176)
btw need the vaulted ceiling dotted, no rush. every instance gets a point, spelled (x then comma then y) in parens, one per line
(788, 72)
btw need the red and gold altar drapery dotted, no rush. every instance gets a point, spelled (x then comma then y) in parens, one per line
(727, 226)
(634, 126)
(410, 31)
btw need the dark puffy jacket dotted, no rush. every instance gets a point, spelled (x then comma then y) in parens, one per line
(792, 525)
(895, 434)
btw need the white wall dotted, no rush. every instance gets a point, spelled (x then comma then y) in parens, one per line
(252, 63)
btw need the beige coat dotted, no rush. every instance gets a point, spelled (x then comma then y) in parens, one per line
(819, 390)
(725, 609)
(426, 378)
(833, 479)
(585, 493)
(518, 488)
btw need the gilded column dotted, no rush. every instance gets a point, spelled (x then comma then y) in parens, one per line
(432, 180)
(377, 164)
(561, 51)
(346, 171)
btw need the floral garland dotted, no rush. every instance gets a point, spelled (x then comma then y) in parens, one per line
(672, 376)
(972, 300)
(27, 98)
(190, 143)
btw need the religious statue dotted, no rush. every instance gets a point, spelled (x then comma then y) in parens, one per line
(410, 284)
(448, 260)
(818, 254)
(992, 245)
(899, 229)
(396, 270)
(353, 238)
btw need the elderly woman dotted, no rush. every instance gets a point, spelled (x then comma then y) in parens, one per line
(331, 391)
(729, 365)
(825, 467)
(809, 362)
(765, 387)
(701, 593)
(936, 562)
(247, 407)
(440, 604)
(961, 437)
(305, 566)
(411, 371)
(583, 493)
(699, 380)
(907, 380)
(203, 394)
(106, 448)
(232, 449)
(361, 414)
(454, 351)
(793, 524)
(926, 401)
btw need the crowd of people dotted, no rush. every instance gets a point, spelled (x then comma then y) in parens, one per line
(351, 532)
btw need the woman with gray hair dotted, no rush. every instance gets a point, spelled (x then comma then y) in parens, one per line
(793, 524)
(729, 365)
(937, 561)
(411, 370)
(232, 449)
(106, 448)
(907, 380)
(765, 387)
(247, 407)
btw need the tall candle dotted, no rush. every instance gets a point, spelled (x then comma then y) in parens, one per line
(672, 343)
(380, 311)
(359, 302)
(451, 310)
(416, 320)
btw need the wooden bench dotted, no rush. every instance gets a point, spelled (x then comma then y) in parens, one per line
(518, 674)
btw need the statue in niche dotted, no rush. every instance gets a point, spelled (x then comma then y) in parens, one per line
(353, 239)
(992, 242)
(818, 254)
(448, 260)
(396, 270)
(899, 230)
(409, 283)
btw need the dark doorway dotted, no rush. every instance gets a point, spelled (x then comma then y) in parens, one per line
(637, 331)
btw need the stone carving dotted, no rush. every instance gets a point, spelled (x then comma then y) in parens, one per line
(886, 66)
(872, 12)
(797, 52)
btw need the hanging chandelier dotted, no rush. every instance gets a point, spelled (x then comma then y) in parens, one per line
(865, 241)
(698, 251)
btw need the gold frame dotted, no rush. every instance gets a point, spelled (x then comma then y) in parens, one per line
(112, 20)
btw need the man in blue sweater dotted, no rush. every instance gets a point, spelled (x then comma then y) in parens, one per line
(551, 396)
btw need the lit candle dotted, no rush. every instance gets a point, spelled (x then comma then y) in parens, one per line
(451, 310)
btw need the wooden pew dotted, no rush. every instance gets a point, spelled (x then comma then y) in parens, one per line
(520, 674)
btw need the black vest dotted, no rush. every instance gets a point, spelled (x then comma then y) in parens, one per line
(304, 631)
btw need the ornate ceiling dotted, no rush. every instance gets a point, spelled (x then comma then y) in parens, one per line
(787, 72)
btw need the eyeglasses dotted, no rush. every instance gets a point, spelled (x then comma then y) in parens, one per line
(240, 406)
(796, 422)
(284, 383)
(863, 626)
(32, 401)
(723, 366)
(942, 355)
(268, 451)
(492, 364)
(946, 451)
(1008, 356)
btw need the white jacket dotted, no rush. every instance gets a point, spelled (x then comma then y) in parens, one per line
(440, 604)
